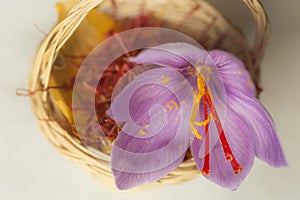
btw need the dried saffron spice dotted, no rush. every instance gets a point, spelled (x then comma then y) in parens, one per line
(67, 63)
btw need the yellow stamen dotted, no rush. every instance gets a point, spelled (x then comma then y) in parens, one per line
(201, 87)
(195, 108)
(204, 123)
(193, 118)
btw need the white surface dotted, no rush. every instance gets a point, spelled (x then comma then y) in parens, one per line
(32, 169)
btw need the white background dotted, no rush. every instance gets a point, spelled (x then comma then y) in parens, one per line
(31, 169)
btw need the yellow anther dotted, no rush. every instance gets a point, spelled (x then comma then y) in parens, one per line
(201, 87)
(240, 72)
(194, 116)
(195, 108)
(204, 123)
(195, 132)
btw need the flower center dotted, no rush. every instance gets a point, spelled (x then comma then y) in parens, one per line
(204, 94)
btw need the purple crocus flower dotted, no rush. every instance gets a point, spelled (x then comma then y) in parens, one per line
(205, 101)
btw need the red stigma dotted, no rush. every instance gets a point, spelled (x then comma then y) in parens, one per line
(237, 168)
(206, 166)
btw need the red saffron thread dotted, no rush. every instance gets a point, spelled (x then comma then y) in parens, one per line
(206, 166)
(226, 147)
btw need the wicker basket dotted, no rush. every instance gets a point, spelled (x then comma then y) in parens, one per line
(200, 22)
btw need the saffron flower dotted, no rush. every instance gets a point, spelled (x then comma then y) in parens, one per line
(190, 98)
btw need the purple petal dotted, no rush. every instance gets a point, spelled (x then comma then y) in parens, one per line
(176, 55)
(241, 93)
(240, 141)
(263, 132)
(155, 137)
(184, 55)
(126, 181)
(235, 77)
